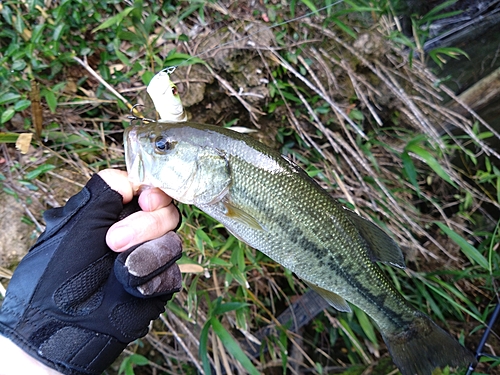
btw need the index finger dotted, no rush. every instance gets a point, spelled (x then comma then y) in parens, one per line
(119, 182)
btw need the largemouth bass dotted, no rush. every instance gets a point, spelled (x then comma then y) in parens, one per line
(271, 204)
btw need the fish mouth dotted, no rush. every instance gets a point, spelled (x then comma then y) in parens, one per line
(133, 159)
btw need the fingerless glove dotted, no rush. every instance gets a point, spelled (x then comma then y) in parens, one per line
(74, 304)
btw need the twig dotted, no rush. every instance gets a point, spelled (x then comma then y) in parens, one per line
(391, 83)
(336, 323)
(332, 104)
(182, 344)
(39, 226)
(251, 109)
(102, 81)
(360, 94)
(2, 290)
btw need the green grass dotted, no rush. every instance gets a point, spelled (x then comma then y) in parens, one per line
(365, 124)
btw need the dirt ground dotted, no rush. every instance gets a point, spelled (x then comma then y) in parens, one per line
(16, 236)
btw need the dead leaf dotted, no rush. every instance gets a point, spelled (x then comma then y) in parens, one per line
(23, 142)
(116, 68)
(71, 86)
(191, 268)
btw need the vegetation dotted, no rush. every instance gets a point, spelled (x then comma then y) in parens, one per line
(338, 91)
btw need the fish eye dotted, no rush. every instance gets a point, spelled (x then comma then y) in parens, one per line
(174, 90)
(162, 144)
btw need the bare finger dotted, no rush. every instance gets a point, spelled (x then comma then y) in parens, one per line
(142, 226)
(153, 199)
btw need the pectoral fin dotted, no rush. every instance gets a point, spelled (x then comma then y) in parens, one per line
(382, 247)
(240, 215)
(333, 299)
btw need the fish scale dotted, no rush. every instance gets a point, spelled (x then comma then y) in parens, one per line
(271, 204)
(307, 240)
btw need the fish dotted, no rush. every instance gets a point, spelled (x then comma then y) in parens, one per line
(271, 204)
(267, 201)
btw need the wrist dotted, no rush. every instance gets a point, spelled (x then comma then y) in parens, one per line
(17, 361)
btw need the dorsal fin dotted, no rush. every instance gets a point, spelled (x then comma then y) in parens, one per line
(333, 299)
(382, 247)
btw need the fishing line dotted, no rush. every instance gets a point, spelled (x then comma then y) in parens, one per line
(317, 11)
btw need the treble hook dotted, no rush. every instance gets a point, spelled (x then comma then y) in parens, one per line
(133, 117)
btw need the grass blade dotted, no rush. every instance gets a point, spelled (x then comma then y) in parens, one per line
(203, 349)
(470, 251)
(430, 161)
(232, 346)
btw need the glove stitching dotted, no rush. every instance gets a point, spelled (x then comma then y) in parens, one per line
(24, 342)
(56, 238)
(32, 319)
(108, 189)
(85, 196)
(70, 360)
(64, 366)
(96, 202)
(90, 294)
(7, 309)
(104, 348)
(75, 365)
(40, 246)
(13, 296)
(137, 281)
(93, 194)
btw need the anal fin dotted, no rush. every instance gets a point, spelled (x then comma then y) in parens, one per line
(333, 299)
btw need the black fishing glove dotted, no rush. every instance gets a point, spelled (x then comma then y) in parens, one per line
(74, 304)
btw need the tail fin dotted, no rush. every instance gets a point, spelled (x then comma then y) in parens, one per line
(424, 346)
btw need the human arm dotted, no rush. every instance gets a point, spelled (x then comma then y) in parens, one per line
(16, 361)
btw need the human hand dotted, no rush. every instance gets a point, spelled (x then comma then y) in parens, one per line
(158, 215)
(74, 304)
